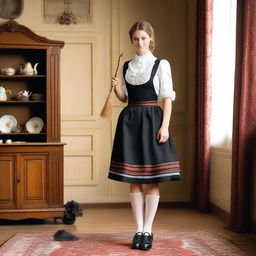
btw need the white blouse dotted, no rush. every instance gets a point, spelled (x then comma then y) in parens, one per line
(139, 71)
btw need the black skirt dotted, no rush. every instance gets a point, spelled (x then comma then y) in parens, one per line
(137, 156)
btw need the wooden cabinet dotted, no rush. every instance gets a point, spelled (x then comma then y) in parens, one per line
(31, 183)
(31, 167)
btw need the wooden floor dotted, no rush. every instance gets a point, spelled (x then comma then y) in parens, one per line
(118, 219)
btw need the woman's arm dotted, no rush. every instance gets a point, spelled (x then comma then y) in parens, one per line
(163, 133)
(119, 90)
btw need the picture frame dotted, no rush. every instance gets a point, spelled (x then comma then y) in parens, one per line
(67, 11)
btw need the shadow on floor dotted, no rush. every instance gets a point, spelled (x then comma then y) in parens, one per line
(31, 221)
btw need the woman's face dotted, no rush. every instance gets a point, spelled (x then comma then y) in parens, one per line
(140, 41)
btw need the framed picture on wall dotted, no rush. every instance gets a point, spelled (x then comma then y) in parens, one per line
(67, 11)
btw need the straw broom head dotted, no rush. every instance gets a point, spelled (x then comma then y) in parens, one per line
(107, 108)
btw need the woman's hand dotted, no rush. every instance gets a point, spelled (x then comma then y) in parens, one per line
(162, 135)
(118, 89)
(114, 82)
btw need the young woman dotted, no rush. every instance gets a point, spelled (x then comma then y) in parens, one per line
(143, 152)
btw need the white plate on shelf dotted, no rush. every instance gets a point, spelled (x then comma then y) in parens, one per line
(35, 125)
(7, 123)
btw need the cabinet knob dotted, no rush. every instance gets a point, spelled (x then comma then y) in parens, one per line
(18, 180)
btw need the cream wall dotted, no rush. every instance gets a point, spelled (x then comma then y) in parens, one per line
(87, 62)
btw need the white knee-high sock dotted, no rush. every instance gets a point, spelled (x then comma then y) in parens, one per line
(137, 202)
(150, 211)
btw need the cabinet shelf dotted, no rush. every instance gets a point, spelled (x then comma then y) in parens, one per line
(22, 76)
(22, 102)
(22, 133)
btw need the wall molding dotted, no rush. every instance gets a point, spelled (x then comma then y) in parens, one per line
(92, 154)
(81, 38)
(92, 116)
(221, 152)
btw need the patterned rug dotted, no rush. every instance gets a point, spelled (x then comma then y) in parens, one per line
(171, 244)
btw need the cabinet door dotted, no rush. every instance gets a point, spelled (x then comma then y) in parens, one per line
(32, 185)
(7, 181)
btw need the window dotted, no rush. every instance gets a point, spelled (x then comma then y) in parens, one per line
(223, 67)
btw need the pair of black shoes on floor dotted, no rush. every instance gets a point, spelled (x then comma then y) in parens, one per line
(142, 241)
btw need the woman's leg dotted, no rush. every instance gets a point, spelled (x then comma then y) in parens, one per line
(134, 188)
(137, 202)
(153, 189)
(152, 200)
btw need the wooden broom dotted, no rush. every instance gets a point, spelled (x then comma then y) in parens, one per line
(107, 108)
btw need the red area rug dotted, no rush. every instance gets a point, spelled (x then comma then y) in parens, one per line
(171, 244)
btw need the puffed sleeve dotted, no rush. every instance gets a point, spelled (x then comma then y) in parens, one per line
(165, 81)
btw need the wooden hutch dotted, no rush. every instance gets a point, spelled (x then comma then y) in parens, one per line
(31, 166)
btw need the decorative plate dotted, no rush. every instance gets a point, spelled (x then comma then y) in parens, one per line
(7, 123)
(35, 125)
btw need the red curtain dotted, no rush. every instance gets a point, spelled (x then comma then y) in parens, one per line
(203, 94)
(244, 119)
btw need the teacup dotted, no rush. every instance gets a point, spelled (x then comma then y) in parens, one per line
(8, 71)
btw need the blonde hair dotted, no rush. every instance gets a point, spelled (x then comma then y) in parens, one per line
(147, 27)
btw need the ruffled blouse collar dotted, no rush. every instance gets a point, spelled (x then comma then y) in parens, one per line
(139, 69)
(146, 58)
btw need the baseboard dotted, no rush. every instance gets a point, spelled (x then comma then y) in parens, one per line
(176, 204)
(216, 210)
(104, 205)
(128, 204)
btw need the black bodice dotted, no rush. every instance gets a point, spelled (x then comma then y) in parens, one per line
(142, 92)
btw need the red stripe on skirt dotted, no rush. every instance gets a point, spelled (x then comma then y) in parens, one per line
(145, 167)
(122, 171)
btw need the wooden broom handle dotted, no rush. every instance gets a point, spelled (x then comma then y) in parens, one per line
(118, 64)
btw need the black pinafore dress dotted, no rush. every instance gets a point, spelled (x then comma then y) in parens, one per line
(137, 156)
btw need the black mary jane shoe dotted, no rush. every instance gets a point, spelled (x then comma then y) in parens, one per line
(137, 240)
(146, 243)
